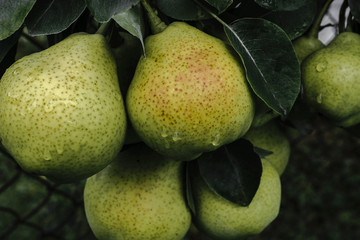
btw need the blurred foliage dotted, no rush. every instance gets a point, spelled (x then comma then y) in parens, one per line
(320, 187)
(33, 208)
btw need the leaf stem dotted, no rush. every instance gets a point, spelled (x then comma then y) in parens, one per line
(342, 17)
(156, 24)
(349, 23)
(314, 31)
(103, 29)
(214, 16)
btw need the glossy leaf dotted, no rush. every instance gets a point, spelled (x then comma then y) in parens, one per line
(294, 23)
(283, 5)
(233, 171)
(185, 10)
(355, 9)
(221, 6)
(103, 11)
(271, 65)
(132, 21)
(12, 15)
(53, 16)
(8, 51)
(190, 170)
(7, 44)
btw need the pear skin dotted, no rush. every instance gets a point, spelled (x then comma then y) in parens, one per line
(139, 196)
(222, 219)
(271, 138)
(61, 111)
(190, 94)
(331, 80)
(305, 45)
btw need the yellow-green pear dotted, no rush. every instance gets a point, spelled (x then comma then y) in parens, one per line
(61, 111)
(270, 137)
(331, 80)
(189, 94)
(222, 219)
(139, 196)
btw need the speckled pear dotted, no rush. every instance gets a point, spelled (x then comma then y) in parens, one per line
(189, 94)
(331, 80)
(139, 196)
(270, 137)
(222, 219)
(61, 111)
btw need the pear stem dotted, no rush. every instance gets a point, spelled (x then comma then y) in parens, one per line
(103, 29)
(314, 30)
(156, 25)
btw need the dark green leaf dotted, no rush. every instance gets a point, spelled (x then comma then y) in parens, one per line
(188, 189)
(185, 10)
(271, 65)
(12, 15)
(132, 21)
(104, 10)
(127, 55)
(221, 6)
(283, 5)
(355, 9)
(8, 51)
(7, 44)
(262, 152)
(294, 23)
(233, 171)
(53, 16)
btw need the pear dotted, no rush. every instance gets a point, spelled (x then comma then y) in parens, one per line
(61, 112)
(306, 45)
(331, 80)
(189, 94)
(271, 138)
(222, 219)
(139, 196)
(263, 113)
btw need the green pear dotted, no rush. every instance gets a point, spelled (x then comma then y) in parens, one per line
(139, 196)
(306, 45)
(189, 94)
(271, 138)
(263, 113)
(61, 111)
(222, 219)
(331, 80)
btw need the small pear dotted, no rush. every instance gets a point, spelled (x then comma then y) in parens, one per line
(139, 196)
(271, 138)
(331, 80)
(306, 45)
(222, 219)
(61, 111)
(189, 94)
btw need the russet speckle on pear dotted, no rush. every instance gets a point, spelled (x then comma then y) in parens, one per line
(139, 196)
(189, 94)
(61, 111)
(331, 80)
(222, 219)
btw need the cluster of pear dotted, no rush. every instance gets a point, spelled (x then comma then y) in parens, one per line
(330, 76)
(62, 116)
